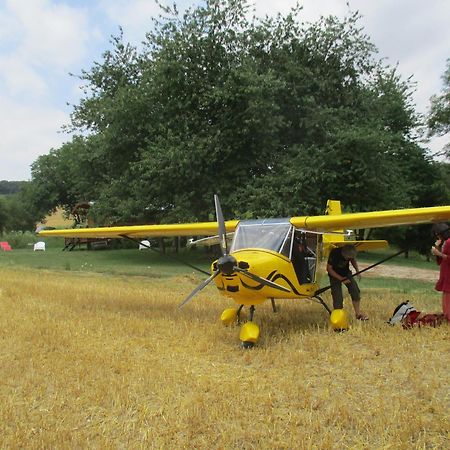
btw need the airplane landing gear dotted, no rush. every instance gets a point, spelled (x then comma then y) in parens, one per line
(231, 315)
(250, 331)
(247, 344)
(274, 306)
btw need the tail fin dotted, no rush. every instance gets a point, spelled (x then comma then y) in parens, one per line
(333, 208)
(338, 237)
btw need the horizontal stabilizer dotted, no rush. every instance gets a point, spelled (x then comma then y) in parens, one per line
(361, 245)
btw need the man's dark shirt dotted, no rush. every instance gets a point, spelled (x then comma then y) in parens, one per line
(339, 263)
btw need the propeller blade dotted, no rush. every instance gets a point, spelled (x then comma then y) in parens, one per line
(222, 228)
(261, 280)
(199, 288)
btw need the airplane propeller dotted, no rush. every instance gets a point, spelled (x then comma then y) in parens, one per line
(222, 228)
(227, 264)
(199, 288)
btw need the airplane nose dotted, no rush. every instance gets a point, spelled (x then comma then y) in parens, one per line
(226, 264)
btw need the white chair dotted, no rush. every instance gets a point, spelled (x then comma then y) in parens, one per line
(144, 245)
(39, 246)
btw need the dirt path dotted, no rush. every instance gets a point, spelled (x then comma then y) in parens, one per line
(391, 271)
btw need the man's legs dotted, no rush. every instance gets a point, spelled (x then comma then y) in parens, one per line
(336, 293)
(355, 294)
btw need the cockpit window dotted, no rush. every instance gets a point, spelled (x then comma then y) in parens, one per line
(271, 234)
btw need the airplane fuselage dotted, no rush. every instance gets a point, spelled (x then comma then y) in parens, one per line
(267, 264)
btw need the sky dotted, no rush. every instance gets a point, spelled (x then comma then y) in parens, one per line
(43, 41)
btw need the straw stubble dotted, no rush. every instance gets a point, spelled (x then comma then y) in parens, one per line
(104, 362)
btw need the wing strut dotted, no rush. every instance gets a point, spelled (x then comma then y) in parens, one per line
(320, 300)
(320, 291)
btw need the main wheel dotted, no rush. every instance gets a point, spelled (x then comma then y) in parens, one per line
(247, 344)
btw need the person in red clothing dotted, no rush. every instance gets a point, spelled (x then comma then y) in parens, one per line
(441, 249)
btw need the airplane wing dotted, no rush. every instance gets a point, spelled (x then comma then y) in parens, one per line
(142, 231)
(375, 219)
(323, 223)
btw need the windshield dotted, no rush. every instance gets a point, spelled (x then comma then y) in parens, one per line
(270, 234)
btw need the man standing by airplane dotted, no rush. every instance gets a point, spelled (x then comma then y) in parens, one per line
(338, 268)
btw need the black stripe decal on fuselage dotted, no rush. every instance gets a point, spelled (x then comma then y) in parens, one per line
(273, 276)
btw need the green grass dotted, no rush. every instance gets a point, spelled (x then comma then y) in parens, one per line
(132, 262)
(414, 259)
(117, 262)
(397, 284)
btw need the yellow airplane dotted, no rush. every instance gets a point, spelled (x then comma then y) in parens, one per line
(271, 258)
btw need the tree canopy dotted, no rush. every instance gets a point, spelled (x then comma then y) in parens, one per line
(275, 115)
(439, 117)
(10, 187)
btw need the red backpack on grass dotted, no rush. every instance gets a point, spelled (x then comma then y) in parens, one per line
(409, 317)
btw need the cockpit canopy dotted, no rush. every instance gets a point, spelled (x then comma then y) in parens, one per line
(269, 234)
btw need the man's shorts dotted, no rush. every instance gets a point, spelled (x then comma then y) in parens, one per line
(336, 292)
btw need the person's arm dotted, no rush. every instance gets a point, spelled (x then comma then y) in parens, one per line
(355, 264)
(434, 249)
(442, 253)
(334, 274)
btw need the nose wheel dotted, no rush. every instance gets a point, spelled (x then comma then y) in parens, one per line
(247, 344)
(249, 333)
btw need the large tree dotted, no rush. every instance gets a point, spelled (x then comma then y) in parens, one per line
(11, 187)
(439, 117)
(274, 115)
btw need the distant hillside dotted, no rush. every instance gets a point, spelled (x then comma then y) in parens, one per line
(10, 187)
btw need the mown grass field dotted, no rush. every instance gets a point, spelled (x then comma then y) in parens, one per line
(94, 359)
